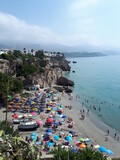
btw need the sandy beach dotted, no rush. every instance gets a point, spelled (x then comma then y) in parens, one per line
(90, 127)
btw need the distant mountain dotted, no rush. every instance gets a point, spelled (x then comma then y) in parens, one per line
(83, 54)
(2, 46)
(83, 50)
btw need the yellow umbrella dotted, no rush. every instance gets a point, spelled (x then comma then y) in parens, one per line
(33, 102)
(48, 109)
(34, 109)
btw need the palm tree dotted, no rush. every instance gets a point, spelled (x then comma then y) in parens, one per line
(86, 154)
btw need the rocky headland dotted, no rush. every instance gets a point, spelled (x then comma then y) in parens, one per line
(48, 69)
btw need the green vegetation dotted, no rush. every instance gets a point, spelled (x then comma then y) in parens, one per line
(26, 70)
(14, 148)
(85, 154)
(7, 86)
(8, 129)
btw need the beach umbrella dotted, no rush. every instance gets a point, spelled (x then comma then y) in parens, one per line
(32, 102)
(109, 152)
(61, 133)
(63, 117)
(81, 139)
(56, 137)
(68, 138)
(26, 107)
(15, 116)
(33, 117)
(49, 130)
(72, 132)
(11, 103)
(50, 144)
(20, 116)
(102, 149)
(82, 145)
(29, 115)
(49, 133)
(77, 144)
(49, 109)
(34, 109)
(9, 107)
(17, 99)
(39, 122)
(33, 113)
(56, 123)
(60, 111)
(87, 140)
(33, 136)
(49, 120)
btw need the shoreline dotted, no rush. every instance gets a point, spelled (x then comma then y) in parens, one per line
(84, 128)
(92, 127)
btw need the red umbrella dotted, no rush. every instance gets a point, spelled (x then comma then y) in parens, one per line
(60, 111)
(49, 120)
(15, 116)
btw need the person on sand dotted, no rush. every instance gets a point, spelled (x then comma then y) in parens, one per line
(118, 138)
(106, 138)
(108, 132)
(115, 135)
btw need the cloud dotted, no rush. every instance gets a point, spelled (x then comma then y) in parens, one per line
(15, 30)
(82, 4)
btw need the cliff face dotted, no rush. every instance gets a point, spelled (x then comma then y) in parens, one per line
(53, 71)
(48, 78)
(4, 66)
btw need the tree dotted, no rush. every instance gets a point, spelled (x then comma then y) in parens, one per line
(85, 154)
(15, 148)
(7, 85)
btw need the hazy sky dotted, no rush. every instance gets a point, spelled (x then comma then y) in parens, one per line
(68, 22)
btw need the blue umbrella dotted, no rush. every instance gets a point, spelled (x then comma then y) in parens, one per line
(109, 152)
(33, 136)
(50, 144)
(56, 137)
(72, 132)
(68, 138)
(49, 133)
(64, 117)
(38, 143)
(102, 149)
(49, 130)
(57, 123)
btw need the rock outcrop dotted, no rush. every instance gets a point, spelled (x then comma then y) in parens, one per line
(65, 66)
(64, 81)
(59, 88)
(68, 90)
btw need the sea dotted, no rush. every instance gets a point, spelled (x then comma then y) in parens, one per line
(97, 86)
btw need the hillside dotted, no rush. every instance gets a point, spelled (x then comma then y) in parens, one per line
(83, 54)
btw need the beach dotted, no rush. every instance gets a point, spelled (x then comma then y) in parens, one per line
(90, 127)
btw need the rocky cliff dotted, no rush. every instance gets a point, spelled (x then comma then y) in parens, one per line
(52, 71)
(48, 78)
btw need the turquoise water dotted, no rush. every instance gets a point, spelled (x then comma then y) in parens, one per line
(97, 79)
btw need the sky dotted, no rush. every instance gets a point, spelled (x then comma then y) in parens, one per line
(65, 22)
